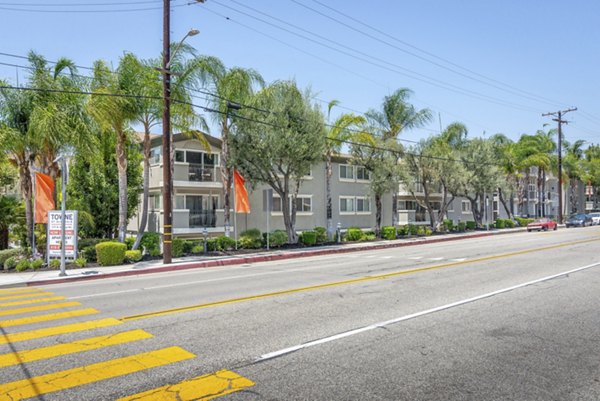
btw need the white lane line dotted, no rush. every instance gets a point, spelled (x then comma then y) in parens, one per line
(458, 260)
(386, 257)
(374, 326)
(416, 257)
(435, 259)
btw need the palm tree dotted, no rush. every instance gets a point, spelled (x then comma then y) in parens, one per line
(114, 113)
(507, 160)
(234, 86)
(573, 169)
(337, 133)
(397, 115)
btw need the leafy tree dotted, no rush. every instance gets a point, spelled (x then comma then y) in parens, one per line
(432, 167)
(576, 169)
(396, 115)
(280, 147)
(93, 187)
(506, 157)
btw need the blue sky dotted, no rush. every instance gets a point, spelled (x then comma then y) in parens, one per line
(494, 65)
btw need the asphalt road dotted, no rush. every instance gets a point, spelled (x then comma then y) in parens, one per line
(509, 317)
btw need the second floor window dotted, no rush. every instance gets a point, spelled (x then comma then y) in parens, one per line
(303, 204)
(466, 206)
(346, 172)
(362, 173)
(155, 155)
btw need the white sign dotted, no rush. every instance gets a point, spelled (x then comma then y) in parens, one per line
(54, 234)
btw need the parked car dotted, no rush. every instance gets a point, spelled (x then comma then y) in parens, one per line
(579, 220)
(544, 224)
(595, 218)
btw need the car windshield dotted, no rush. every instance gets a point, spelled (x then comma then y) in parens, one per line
(578, 216)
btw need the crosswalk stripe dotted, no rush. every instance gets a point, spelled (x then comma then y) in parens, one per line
(31, 301)
(19, 296)
(45, 318)
(15, 358)
(38, 308)
(201, 388)
(65, 379)
(7, 338)
(20, 290)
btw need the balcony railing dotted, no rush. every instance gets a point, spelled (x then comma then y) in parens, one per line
(199, 174)
(203, 218)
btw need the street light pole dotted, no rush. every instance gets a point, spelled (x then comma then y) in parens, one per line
(166, 140)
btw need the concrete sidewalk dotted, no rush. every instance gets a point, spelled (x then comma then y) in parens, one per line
(30, 278)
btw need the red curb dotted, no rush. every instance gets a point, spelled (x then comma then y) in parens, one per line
(255, 259)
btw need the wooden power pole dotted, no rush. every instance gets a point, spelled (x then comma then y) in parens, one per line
(558, 118)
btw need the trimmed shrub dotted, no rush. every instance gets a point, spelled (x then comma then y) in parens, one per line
(89, 253)
(37, 264)
(509, 223)
(278, 238)
(354, 234)
(188, 245)
(523, 221)
(370, 236)
(22, 265)
(224, 243)
(177, 247)
(448, 225)
(151, 243)
(54, 263)
(462, 226)
(197, 249)
(471, 225)
(402, 230)
(133, 256)
(413, 229)
(81, 262)
(420, 230)
(428, 231)
(321, 234)
(251, 239)
(110, 253)
(10, 263)
(500, 223)
(309, 237)
(7, 253)
(388, 232)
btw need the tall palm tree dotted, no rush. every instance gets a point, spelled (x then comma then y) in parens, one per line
(508, 163)
(397, 115)
(230, 86)
(337, 133)
(114, 113)
(573, 169)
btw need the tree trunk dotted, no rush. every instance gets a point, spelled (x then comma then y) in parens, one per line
(378, 208)
(122, 172)
(145, 195)
(503, 201)
(26, 191)
(395, 209)
(329, 210)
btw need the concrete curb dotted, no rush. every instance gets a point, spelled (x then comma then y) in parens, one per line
(257, 259)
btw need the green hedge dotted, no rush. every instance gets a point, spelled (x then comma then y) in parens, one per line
(471, 225)
(110, 253)
(132, 256)
(500, 223)
(388, 232)
(11, 263)
(321, 234)
(462, 226)
(448, 225)
(7, 253)
(151, 243)
(278, 238)
(354, 234)
(177, 247)
(523, 221)
(251, 239)
(37, 264)
(22, 265)
(309, 237)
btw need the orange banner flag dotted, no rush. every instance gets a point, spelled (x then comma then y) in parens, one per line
(242, 204)
(44, 200)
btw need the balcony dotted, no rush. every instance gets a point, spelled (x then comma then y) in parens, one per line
(198, 174)
(202, 218)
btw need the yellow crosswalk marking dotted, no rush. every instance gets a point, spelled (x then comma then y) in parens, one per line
(52, 382)
(38, 308)
(18, 296)
(20, 290)
(45, 318)
(31, 301)
(201, 388)
(15, 358)
(57, 330)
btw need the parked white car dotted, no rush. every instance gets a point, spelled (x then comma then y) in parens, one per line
(595, 218)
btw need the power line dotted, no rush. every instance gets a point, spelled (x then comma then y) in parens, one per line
(383, 64)
(98, 11)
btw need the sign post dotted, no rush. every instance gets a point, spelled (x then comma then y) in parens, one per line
(54, 235)
(268, 208)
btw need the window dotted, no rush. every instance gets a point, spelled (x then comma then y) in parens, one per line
(362, 173)
(194, 157)
(304, 204)
(277, 204)
(346, 172)
(180, 156)
(466, 206)
(407, 205)
(155, 155)
(211, 159)
(154, 201)
(346, 204)
(363, 205)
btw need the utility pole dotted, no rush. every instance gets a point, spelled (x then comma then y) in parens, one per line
(560, 121)
(166, 136)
